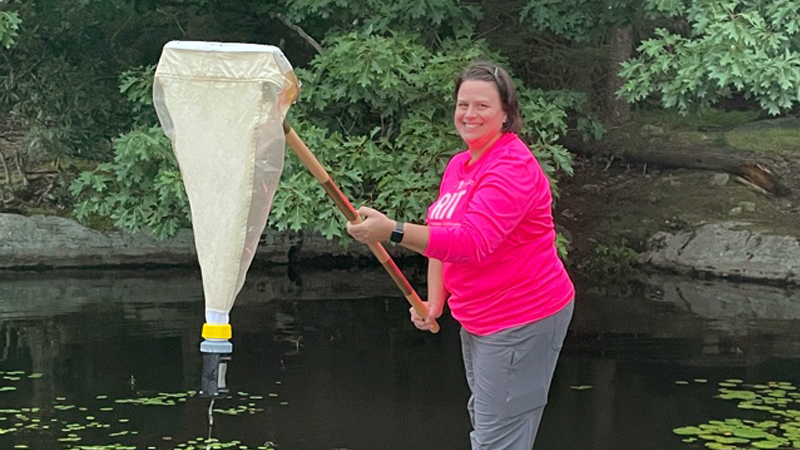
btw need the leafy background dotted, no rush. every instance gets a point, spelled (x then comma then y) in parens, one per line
(79, 135)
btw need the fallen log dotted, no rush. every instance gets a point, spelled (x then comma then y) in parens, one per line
(658, 151)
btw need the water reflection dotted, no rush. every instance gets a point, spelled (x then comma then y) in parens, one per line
(326, 359)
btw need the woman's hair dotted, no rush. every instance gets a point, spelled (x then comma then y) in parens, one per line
(486, 71)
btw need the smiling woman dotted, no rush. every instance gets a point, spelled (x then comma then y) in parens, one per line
(483, 108)
(479, 116)
(491, 254)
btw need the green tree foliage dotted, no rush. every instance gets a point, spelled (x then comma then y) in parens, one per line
(435, 20)
(55, 86)
(137, 87)
(382, 124)
(750, 47)
(376, 109)
(582, 21)
(9, 27)
(59, 81)
(586, 40)
(141, 187)
(376, 106)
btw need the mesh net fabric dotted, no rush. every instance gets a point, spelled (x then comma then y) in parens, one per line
(222, 106)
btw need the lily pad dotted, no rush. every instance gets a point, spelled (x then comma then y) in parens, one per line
(766, 444)
(684, 431)
(718, 446)
(750, 433)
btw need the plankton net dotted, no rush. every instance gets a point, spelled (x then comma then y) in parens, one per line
(223, 105)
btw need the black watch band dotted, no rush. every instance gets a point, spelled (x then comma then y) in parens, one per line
(397, 234)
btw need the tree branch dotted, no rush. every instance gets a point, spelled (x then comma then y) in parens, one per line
(301, 32)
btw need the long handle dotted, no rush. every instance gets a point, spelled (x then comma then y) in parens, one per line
(319, 172)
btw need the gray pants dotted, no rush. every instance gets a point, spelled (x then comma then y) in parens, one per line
(509, 375)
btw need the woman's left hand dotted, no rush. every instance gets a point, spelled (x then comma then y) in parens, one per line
(427, 324)
(374, 226)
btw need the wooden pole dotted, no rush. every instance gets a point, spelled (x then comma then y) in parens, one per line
(322, 176)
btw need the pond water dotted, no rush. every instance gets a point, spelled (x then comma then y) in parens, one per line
(326, 359)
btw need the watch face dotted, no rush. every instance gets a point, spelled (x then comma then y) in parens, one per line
(397, 234)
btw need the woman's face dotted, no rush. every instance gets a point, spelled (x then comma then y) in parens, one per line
(479, 114)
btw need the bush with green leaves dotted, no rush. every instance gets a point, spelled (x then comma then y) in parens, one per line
(137, 87)
(59, 67)
(9, 27)
(55, 86)
(750, 47)
(140, 188)
(609, 262)
(435, 20)
(381, 125)
(581, 21)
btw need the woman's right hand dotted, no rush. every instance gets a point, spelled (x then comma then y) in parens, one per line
(427, 324)
(374, 226)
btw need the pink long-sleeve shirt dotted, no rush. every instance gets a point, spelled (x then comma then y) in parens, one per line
(492, 228)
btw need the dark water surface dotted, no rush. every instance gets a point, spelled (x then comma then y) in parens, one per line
(326, 359)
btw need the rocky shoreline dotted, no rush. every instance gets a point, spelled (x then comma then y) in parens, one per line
(49, 242)
(694, 223)
(728, 250)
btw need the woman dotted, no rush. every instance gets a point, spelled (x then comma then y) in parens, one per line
(490, 242)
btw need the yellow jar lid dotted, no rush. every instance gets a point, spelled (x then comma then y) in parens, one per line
(217, 331)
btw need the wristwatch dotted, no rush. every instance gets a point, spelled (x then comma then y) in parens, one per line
(397, 234)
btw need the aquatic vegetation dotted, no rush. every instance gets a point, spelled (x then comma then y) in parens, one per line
(778, 399)
(103, 424)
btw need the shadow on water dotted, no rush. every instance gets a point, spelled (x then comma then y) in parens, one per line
(326, 359)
